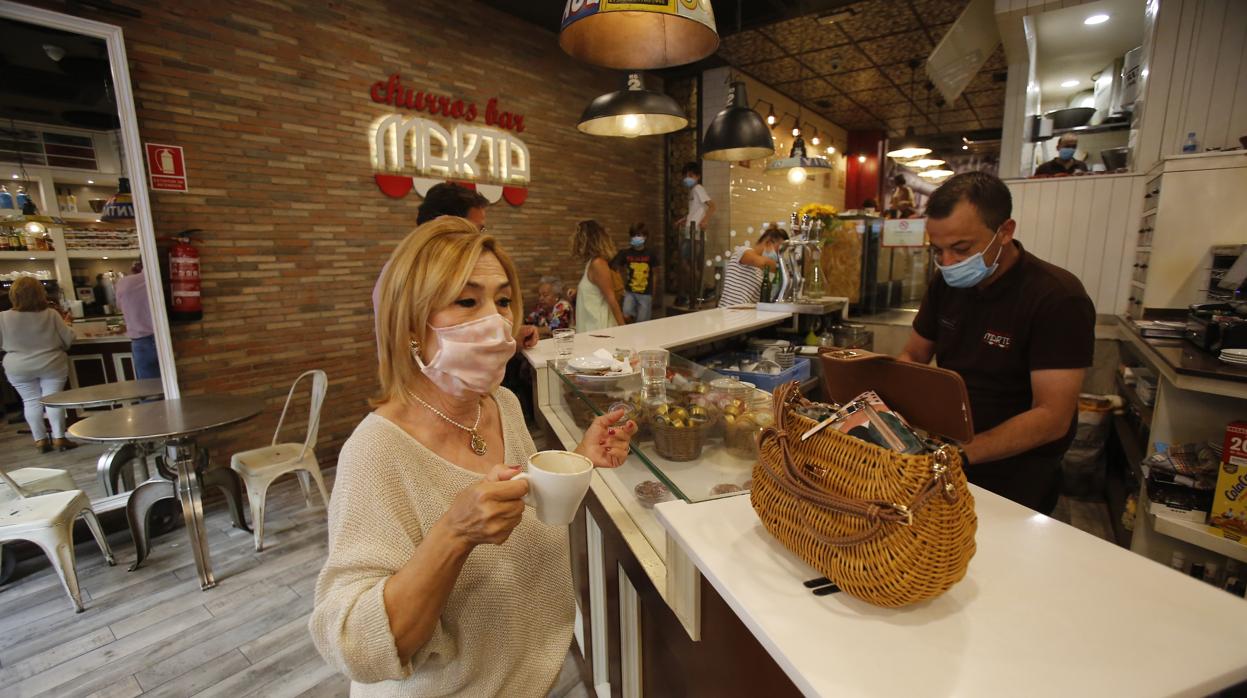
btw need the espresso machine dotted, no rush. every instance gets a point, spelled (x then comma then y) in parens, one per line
(804, 243)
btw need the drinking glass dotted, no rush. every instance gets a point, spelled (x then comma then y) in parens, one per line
(653, 368)
(565, 343)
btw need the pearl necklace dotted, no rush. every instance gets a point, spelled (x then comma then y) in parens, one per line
(477, 442)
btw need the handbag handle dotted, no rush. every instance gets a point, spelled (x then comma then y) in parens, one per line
(793, 480)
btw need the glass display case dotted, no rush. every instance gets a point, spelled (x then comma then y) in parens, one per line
(698, 432)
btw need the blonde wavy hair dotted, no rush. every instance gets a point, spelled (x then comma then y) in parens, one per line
(426, 273)
(591, 240)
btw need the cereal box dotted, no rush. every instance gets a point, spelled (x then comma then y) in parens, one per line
(1229, 505)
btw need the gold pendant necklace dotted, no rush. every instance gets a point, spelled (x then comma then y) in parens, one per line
(475, 441)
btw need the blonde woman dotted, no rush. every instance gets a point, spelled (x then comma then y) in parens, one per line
(35, 338)
(597, 307)
(438, 581)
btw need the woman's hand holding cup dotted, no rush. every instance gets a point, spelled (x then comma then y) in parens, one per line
(489, 510)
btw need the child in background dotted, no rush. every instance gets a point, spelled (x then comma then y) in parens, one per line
(639, 267)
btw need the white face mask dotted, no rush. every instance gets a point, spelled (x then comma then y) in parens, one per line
(470, 357)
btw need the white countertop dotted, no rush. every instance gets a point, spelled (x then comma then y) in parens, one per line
(667, 333)
(1045, 609)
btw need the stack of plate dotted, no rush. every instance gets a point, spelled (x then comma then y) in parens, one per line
(1237, 357)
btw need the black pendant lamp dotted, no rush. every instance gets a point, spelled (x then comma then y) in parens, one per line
(631, 112)
(737, 133)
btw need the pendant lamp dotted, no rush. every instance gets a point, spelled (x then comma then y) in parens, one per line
(120, 206)
(630, 35)
(797, 165)
(737, 133)
(631, 112)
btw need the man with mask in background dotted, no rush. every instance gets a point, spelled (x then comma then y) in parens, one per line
(1019, 331)
(1064, 162)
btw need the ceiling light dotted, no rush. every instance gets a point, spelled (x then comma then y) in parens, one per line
(831, 149)
(1070, 83)
(640, 37)
(737, 133)
(861, 158)
(936, 174)
(90, 181)
(631, 112)
(1095, 19)
(14, 176)
(923, 163)
(796, 175)
(834, 17)
(105, 257)
(965, 147)
(814, 139)
(908, 152)
(770, 117)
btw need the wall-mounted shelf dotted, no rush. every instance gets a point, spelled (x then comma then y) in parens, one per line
(26, 256)
(103, 254)
(1202, 535)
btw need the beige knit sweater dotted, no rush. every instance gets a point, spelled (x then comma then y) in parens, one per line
(507, 624)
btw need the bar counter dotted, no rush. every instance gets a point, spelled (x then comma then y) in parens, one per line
(698, 599)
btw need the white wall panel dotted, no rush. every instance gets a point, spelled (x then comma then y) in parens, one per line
(1085, 225)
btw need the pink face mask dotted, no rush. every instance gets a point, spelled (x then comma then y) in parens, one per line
(470, 357)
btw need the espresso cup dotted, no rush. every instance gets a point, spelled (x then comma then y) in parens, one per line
(557, 481)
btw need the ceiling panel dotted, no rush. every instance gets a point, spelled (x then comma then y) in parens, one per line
(778, 71)
(748, 47)
(869, 79)
(877, 17)
(836, 60)
(867, 57)
(805, 34)
(934, 12)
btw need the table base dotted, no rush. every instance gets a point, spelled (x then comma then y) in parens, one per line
(192, 473)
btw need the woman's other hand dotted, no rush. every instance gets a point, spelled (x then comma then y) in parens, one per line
(606, 442)
(488, 511)
(529, 336)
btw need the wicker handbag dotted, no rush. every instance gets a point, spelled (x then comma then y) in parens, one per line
(888, 528)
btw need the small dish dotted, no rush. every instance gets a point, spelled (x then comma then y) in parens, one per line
(588, 364)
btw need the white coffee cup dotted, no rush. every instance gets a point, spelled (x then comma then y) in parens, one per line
(557, 481)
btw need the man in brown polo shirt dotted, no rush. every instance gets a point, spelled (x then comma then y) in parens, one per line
(1020, 331)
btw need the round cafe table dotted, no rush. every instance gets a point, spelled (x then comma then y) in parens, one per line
(176, 423)
(110, 468)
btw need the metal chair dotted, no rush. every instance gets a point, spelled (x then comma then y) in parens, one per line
(260, 467)
(47, 520)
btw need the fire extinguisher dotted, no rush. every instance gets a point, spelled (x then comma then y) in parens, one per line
(185, 301)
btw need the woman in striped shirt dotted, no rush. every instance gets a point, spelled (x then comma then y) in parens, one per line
(742, 277)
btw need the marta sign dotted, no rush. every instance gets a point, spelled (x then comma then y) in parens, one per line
(414, 152)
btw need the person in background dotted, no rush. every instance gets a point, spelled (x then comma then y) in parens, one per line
(137, 311)
(902, 203)
(551, 312)
(700, 210)
(35, 340)
(870, 207)
(639, 265)
(450, 199)
(439, 581)
(1019, 331)
(742, 276)
(1064, 162)
(596, 306)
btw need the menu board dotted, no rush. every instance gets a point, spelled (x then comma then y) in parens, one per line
(905, 232)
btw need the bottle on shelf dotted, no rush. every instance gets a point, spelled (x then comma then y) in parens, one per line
(6, 197)
(16, 244)
(1191, 145)
(765, 295)
(71, 201)
(4, 241)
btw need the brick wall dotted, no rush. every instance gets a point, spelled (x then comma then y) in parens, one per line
(270, 100)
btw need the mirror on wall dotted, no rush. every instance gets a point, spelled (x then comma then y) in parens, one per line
(71, 218)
